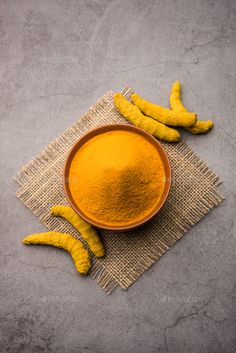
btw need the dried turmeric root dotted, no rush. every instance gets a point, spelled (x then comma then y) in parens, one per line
(74, 246)
(201, 126)
(164, 115)
(134, 115)
(88, 233)
(175, 97)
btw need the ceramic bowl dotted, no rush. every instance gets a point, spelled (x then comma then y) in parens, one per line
(100, 130)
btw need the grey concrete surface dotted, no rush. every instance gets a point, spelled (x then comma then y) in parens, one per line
(59, 56)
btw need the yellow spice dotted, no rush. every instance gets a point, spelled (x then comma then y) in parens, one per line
(65, 241)
(117, 178)
(87, 232)
(201, 126)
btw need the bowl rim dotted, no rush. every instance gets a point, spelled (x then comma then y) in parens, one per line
(103, 129)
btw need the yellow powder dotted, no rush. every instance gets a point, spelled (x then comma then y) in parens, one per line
(117, 178)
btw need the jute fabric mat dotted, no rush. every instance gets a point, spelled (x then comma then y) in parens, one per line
(128, 255)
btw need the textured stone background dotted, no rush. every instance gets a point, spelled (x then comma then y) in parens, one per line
(57, 58)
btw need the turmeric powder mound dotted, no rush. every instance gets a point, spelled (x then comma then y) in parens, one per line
(117, 178)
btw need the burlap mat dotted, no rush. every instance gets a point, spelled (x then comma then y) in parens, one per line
(128, 255)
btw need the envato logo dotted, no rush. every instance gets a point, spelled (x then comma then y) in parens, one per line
(57, 299)
(189, 59)
(176, 299)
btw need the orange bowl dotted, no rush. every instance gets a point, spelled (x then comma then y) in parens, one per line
(100, 130)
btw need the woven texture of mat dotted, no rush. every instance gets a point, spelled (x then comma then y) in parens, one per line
(128, 255)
